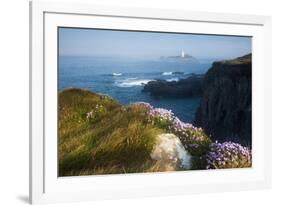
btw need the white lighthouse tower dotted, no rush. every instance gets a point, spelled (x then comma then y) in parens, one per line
(182, 53)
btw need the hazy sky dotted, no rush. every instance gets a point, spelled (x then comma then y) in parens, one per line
(92, 42)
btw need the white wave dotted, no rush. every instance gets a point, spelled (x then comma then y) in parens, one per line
(172, 79)
(131, 83)
(116, 74)
(167, 73)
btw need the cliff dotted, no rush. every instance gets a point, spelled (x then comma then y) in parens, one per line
(226, 104)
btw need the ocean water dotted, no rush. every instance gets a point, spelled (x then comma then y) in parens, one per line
(123, 79)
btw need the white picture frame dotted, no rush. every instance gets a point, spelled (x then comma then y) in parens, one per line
(47, 187)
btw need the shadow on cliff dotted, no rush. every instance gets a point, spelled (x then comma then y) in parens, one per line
(225, 110)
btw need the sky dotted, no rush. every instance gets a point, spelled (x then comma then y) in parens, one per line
(135, 44)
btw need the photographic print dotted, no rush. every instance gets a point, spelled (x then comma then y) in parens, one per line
(142, 101)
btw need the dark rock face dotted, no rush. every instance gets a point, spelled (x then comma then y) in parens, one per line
(189, 87)
(225, 111)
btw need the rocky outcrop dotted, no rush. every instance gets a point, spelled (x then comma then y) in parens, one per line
(226, 104)
(170, 153)
(189, 87)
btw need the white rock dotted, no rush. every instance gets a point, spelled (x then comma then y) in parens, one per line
(171, 152)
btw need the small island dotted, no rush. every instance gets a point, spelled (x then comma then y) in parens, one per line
(184, 57)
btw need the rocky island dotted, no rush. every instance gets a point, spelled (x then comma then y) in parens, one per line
(184, 57)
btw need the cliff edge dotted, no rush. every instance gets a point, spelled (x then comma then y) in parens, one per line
(226, 106)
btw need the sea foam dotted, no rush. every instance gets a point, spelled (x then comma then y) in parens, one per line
(167, 73)
(172, 79)
(132, 82)
(116, 74)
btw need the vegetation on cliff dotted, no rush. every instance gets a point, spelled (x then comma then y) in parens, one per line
(97, 135)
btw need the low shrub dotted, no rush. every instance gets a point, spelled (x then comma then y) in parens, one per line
(228, 155)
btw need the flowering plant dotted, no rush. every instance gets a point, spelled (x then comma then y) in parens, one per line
(98, 111)
(161, 117)
(228, 155)
(143, 105)
(205, 153)
(193, 138)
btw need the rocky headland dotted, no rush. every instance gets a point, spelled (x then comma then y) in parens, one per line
(183, 88)
(225, 110)
(226, 98)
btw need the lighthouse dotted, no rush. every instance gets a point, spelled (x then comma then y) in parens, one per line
(182, 53)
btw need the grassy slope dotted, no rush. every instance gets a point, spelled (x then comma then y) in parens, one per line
(114, 140)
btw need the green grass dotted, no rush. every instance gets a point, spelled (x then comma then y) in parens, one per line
(115, 139)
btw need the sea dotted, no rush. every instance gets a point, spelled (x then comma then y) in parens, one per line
(124, 78)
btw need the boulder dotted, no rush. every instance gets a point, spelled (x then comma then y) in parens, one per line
(170, 153)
